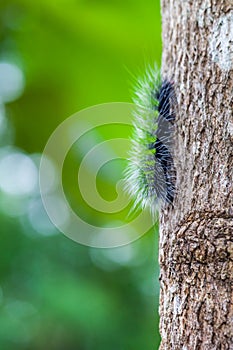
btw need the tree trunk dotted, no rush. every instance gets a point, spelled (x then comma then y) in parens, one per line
(196, 235)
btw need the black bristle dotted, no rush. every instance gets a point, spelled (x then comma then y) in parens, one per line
(163, 156)
(165, 96)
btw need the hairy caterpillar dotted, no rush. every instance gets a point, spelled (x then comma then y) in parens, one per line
(150, 174)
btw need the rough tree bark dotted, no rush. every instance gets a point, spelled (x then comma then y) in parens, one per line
(196, 236)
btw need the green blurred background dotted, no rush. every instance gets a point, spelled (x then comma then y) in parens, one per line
(56, 58)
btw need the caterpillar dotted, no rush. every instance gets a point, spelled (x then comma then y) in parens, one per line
(150, 175)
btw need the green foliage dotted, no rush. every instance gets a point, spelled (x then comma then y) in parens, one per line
(54, 293)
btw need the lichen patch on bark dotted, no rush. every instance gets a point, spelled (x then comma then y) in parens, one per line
(221, 42)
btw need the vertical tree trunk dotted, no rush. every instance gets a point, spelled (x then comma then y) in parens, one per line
(196, 236)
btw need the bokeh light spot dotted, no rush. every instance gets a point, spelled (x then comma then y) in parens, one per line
(11, 82)
(39, 219)
(18, 174)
